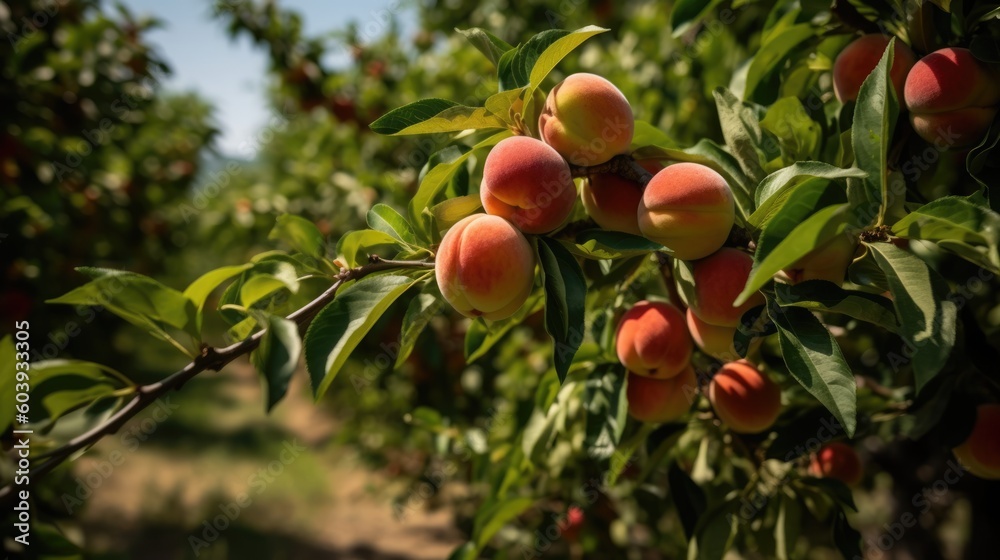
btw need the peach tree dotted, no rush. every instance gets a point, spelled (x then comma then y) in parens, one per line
(725, 321)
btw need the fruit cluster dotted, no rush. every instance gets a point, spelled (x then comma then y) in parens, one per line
(486, 265)
(952, 97)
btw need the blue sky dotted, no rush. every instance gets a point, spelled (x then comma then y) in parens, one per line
(230, 73)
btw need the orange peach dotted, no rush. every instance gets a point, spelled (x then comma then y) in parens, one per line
(688, 208)
(485, 267)
(839, 461)
(858, 59)
(952, 97)
(528, 183)
(613, 201)
(718, 279)
(652, 340)
(980, 452)
(713, 340)
(661, 400)
(827, 262)
(744, 399)
(587, 120)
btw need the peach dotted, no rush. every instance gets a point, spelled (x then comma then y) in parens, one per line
(858, 59)
(587, 120)
(485, 267)
(613, 201)
(528, 183)
(688, 208)
(744, 399)
(952, 97)
(980, 452)
(718, 280)
(713, 340)
(652, 340)
(827, 262)
(661, 400)
(839, 461)
(572, 523)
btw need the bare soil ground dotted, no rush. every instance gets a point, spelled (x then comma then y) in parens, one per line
(169, 496)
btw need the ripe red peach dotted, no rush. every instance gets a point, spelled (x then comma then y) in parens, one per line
(652, 340)
(613, 201)
(827, 262)
(838, 460)
(718, 280)
(485, 267)
(587, 120)
(744, 399)
(952, 97)
(858, 59)
(980, 452)
(528, 183)
(688, 208)
(661, 400)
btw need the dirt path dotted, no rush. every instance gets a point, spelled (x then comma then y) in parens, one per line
(226, 499)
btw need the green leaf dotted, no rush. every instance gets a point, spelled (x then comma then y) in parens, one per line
(715, 533)
(565, 295)
(301, 234)
(966, 219)
(268, 277)
(927, 315)
(451, 211)
(814, 359)
(140, 300)
(688, 498)
(779, 187)
(871, 132)
(607, 410)
(773, 54)
(741, 129)
(355, 246)
(553, 52)
(847, 538)
(277, 357)
(819, 295)
(200, 289)
(67, 399)
(384, 218)
(777, 249)
(787, 527)
(494, 516)
(341, 325)
(429, 115)
(799, 136)
(8, 373)
(981, 161)
(688, 12)
(418, 315)
(646, 134)
(487, 43)
(480, 337)
(450, 160)
(530, 63)
(599, 244)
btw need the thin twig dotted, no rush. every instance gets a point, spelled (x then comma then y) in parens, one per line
(210, 358)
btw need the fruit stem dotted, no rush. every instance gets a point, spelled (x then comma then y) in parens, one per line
(622, 165)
